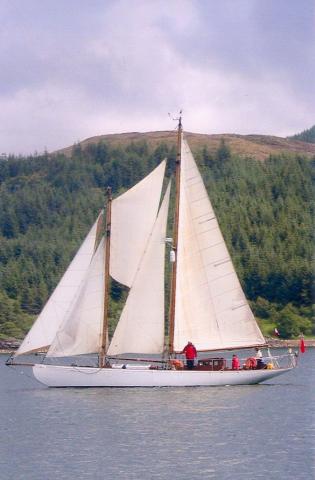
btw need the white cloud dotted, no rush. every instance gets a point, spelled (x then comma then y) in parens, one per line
(122, 66)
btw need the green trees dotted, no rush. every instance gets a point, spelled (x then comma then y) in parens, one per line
(305, 136)
(291, 323)
(266, 213)
(13, 321)
(265, 210)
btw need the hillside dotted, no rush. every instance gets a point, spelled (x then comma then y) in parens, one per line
(265, 210)
(257, 146)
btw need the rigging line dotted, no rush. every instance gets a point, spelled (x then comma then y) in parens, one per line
(20, 372)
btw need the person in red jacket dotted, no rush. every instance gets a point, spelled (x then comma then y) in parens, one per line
(235, 363)
(190, 353)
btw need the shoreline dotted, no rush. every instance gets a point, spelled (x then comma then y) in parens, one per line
(309, 343)
(290, 343)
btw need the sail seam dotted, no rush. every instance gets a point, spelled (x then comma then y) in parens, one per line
(211, 246)
(239, 306)
(205, 221)
(226, 291)
(238, 289)
(198, 200)
(192, 178)
(223, 276)
(191, 185)
(222, 262)
(206, 231)
(202, 215)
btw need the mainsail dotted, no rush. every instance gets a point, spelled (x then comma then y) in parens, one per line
(141, 325)
(53, 314)
(210, 307)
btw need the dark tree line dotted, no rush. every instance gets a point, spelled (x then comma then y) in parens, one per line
(305, 136)
(48, 203)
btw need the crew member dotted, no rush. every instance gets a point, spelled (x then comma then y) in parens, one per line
(259, 359)
(190, 353)
(235, 363)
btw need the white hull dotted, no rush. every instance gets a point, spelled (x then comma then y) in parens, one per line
(63, 376)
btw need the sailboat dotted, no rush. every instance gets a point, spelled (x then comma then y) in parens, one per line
(207, 304)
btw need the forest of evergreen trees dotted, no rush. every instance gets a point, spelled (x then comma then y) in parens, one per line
(306, 136)
(265, 209)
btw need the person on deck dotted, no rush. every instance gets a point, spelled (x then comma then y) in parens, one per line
(235, 363)
(190, 353)
(259, 356)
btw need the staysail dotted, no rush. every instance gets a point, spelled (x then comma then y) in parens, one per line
(211, 308)
(133, 216)
(53, 314)
(80, 332)
(141, 325)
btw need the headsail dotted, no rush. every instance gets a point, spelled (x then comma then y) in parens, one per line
(211, 308)
(81, 330)
(53, 314)
(141, 325)
(133, 216)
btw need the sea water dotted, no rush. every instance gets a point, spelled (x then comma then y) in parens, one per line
(248, 432)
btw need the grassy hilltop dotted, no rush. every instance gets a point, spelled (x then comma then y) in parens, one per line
(260, 187)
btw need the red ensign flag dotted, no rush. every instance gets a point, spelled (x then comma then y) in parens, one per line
(302, 346)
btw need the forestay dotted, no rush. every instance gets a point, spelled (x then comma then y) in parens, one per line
(141, 325)
(211, 308)
(133, 216)
(53, 314)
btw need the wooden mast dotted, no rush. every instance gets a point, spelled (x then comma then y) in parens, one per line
(175, 238)
(104, 342)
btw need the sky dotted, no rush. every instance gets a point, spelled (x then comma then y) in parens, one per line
(72, 69)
